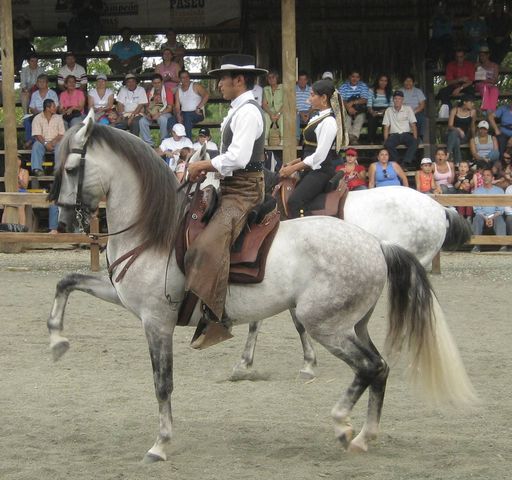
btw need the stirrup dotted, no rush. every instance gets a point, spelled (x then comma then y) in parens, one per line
(209, 332)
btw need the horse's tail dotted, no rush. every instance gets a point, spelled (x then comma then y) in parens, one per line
(458, 231)
(417, 323)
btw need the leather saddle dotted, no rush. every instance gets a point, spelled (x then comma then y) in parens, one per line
(250, 250)
(330, 203)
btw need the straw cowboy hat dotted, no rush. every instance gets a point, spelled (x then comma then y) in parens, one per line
(237, 63)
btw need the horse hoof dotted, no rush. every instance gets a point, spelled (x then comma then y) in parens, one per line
(59, 349)
(307, 373)
(152, 458)
(357, 447)
(345, 438)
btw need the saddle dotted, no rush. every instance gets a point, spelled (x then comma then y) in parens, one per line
(329, 203)
(250, 250)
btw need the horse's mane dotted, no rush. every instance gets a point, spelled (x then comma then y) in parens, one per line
(160, 203)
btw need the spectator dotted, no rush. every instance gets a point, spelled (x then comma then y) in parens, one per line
(400, 128)
(170, 71)
(475, 31)
(459, 76)
(508, 214)
(385, 173)
(189, 101)
(177, 48)
(444, 171)
(478, 180)
(158, 110)
(84, 27)
(205, 137)
(441, 41)
(70, 67)
(490, 216)
(499, 26)
(463, 185)
(182, 162)
(354, 93)
(131, 101)
(257, 92)
(273, 103)
(23, 37)
(379, 98)
(72, 103)
(353, 174)
(328, 76)
(486, 78)
(126, 55)
(113, 118)
(484, 146)
(101, 98)
(503, 170)
(28, 80)
(415, 98)
(23, 179)
(425, 182)
(48, 130)
(461, 127)
(36, 105)
(170, 147)
(302, 107)
(504, 131)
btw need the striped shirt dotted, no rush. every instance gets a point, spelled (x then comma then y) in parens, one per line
(78, 72)
(378, 101)
(360, 90)
(301, 98)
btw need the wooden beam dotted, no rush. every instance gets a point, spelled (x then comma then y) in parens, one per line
(289, 54)
(36, 237)
(36, 200)
(470, 200)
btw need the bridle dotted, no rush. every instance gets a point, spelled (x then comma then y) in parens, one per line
(82, 210)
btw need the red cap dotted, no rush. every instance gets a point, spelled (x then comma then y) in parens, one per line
(351, 151)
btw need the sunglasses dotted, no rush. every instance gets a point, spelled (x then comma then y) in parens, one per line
(385, 173)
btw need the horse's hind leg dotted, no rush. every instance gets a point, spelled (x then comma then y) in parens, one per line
(97, 286)
(370, 370)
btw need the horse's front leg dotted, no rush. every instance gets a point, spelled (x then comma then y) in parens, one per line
(159, 337)
(99, 287)
(306, 371)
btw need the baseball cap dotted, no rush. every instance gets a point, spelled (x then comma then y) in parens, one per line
(398, 93)
(179, 129)
(101, 76)
(425, 161)
(484, 49)
(327, 75)
(204, 131)
(351, 151)
(483, 124)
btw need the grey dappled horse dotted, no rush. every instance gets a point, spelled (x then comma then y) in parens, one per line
(311, 270)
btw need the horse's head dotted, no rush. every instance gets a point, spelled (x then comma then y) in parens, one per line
(75, 191)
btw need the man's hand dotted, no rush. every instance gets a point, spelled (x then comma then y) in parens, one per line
(197, 170)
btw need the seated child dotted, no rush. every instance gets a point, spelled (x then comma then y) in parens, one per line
(463, 185)
(425, 182)
(182, 161)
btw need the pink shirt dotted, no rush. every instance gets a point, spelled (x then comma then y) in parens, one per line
(168, 71)
(71, 100)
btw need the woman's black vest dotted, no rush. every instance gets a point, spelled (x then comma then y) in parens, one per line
(311, 142)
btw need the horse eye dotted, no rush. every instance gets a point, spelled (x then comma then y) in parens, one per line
(71, 170)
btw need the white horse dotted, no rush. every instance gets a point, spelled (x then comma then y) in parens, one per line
(398, 215)
(311, 270)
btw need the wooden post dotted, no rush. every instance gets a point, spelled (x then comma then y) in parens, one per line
(289, 53)
(9, 106)
(95, 246)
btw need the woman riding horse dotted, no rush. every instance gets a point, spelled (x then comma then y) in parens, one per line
(316, 165)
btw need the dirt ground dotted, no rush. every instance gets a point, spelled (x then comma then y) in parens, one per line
(93, 415)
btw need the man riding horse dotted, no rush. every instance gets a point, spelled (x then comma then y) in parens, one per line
(242, 188)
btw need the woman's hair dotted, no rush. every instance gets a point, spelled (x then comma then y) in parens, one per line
(383, 149)
(389, 87)
(441, 149)
(324, 87)
(274, 72)
(411, 76)
(184, 152)
(66, 80)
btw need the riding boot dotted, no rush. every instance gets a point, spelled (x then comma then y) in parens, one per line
(210, 331)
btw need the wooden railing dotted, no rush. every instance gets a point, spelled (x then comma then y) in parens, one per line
(469, 200)
(38, 200)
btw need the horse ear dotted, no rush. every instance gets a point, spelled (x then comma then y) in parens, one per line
(83, 134)
(202, 155)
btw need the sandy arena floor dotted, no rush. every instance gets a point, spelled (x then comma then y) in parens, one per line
(93, 415)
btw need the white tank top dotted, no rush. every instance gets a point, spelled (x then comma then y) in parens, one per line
(189, 100)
